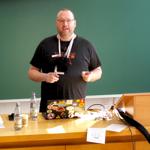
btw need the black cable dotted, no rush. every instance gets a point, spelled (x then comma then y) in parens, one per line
(127, 124)
(135, 123)
(133, 143)
(96, 105)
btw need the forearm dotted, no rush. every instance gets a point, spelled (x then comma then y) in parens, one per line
(95, 74)
(91, 76)
(36, 75)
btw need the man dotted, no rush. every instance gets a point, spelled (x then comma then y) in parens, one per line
(64, 63)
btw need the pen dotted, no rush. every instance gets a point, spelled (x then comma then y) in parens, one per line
(58, 72)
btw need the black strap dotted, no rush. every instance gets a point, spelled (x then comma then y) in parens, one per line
(135, 123)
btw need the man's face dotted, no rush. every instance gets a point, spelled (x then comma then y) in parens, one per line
(65, 23)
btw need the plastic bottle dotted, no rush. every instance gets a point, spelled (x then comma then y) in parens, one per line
(17, 117)
(33, 107)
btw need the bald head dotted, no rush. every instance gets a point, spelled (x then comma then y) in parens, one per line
(69, 12)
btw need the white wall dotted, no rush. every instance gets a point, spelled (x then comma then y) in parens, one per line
(7, 106)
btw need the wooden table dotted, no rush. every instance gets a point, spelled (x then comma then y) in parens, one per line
(67, 134)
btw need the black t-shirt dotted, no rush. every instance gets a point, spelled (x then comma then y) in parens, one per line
(83, 57)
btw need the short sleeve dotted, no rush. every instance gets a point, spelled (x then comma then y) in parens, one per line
(94, 58)
(37, 58)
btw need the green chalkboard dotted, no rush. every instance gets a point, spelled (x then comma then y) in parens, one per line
(119, 29)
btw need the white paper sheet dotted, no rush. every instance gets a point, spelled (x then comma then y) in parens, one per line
(1, 122)
(96, 135)
(116, 127)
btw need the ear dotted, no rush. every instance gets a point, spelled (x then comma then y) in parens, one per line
(75, 23)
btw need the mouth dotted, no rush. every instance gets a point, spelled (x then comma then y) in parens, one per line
(65, 29)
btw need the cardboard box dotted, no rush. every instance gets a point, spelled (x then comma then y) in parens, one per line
(137, 105)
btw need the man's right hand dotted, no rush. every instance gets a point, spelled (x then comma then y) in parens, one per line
(51, 77)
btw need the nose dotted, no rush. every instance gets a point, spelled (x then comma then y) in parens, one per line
(65, 22)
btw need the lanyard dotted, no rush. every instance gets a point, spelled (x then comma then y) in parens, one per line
(67, 53)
